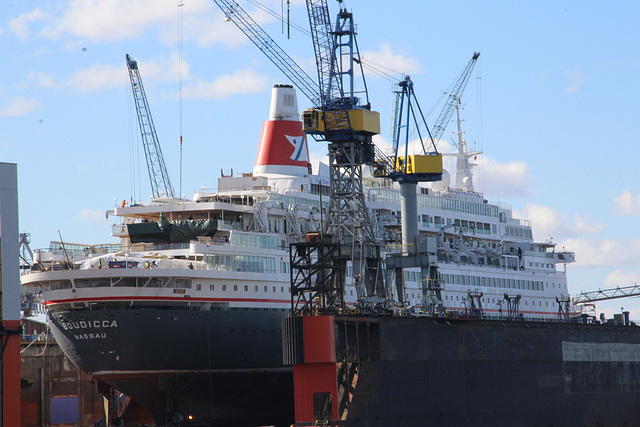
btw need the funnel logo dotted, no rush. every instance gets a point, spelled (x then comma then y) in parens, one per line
(299, 152)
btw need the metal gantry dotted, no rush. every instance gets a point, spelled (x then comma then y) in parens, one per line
(160, 182)
(607, 294)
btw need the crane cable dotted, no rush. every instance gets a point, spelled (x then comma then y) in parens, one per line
(180, 4)
(368, 64)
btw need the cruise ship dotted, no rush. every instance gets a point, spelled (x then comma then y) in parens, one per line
(185, 315)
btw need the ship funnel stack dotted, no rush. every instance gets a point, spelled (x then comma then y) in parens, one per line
(283, 145)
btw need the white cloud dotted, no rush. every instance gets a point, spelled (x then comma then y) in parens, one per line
(109, 20)
(575, 79)
(20, 25)
(113, 20)
(627, 204)
(41, 79)
(166, 70)
(583, 226)
(91, 215)
(96, 78)
(104, 76)
(511, 179)
(604, 252)
(620, 278)
(548, 222)
(19, 107)
(390, 61)
(241, 82)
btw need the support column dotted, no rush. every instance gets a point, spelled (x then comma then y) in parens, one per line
(309, 345)
(10, 288)
(409, 216)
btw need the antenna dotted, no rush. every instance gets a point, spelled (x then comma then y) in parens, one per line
(64, 250)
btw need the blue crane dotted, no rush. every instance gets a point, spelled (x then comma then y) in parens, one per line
(160, 183)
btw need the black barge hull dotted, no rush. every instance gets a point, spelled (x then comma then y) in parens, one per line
(454, 372)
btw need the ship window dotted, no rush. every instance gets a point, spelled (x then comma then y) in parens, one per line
(126, 282)
(274, 289)
(224, 287)
(235, 287)
(212, 287)
(256, 288)
(183, 283)
(198, 287)
(246, 288)
(92, 283)
(265, 289)
(59, 284)
(282, 289)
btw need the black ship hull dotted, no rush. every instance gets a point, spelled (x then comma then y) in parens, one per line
(221, 367)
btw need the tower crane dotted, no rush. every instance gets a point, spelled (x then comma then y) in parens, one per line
(409, 169)
(160, 183)
(454, 98)
(342, 116)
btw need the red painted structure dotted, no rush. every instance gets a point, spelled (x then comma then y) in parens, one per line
(317, 375)
(11, 373)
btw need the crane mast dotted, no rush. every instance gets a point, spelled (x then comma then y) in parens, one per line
(160, 182)
(348, 127)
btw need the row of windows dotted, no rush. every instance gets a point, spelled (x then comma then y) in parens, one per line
(493, 282)
(245, 288)
(249, 263)
(540, 265)
(523, 233)
(253, 240)
(131, 282)
(288, 201)
(436, 202)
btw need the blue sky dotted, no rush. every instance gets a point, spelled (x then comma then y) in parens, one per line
(553, 102)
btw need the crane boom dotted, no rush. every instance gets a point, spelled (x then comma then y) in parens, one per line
(323, 45)
(607, 294)
(270, 48)
(454, 97)
(160, 183)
